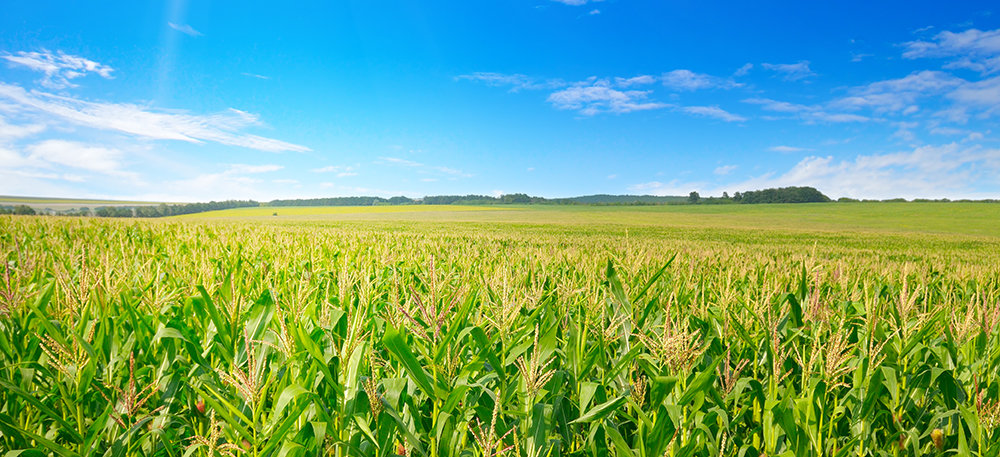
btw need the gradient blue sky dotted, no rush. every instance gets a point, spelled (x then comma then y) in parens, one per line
(191, 101)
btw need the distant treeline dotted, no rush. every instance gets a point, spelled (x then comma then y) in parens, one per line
(21, 210)
(160, 210)
(782, 195)
(774, 195)
(751, 197)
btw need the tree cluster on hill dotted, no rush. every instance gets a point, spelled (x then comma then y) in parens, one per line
(781, 195)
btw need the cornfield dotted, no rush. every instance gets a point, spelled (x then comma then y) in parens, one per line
(377, 339)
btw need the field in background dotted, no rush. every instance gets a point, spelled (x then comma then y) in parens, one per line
(740, 330)
(62, 204)
(322, 212)
(974, 219)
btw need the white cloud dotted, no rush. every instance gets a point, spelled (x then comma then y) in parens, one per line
(982, 94)
(791, 71)
(576, 2)
(599, 97)
(691, 81)
(243, 169)
(515, 81)
(13, 132)
(224, 128)
(725, 169)
(341, 171)
(58, 68)
(185, 29)
(403, 162)
(713, 112)
(950, 170)
(924, 172)
(809, 114)
(595, 95)
(977, 50)
(236, 181)
(897, 95)
(780, 106)
(10, 160)
(612, 176)
(783, 148)
(904, 131)
(594, 12)
(423, 168)
(635, 81)
(742, 71)
(78, 155)
(254, 75)
(947, 131)
(673, 187)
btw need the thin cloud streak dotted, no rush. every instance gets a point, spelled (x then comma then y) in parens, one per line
(223, 128)
(185, 29)
(59, 68)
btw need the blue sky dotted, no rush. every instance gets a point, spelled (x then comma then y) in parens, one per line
(191, 101)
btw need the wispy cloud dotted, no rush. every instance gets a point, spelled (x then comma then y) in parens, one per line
(927, 171)
(894, 95)
(742, 71)
(341, 171)
(807, 113)
(791, 71)
(688, 80)
(725, 169)
(64, 160)
(243, 169)
(713, 112)
(516, 82)
(78, 155)
(617, 95)
(235, 181)
(185, 29)
(783, 148)
(424, 168)
(254, 75)
(58, 68)
(600, 97)
(640, 80)
(576, 2)
(224, 128)
(983, 95)
(13, 132)
(974, 49)
(673, 187)
(949, 170)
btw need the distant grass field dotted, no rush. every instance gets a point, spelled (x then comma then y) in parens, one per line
(324, 212)
(973, 219)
